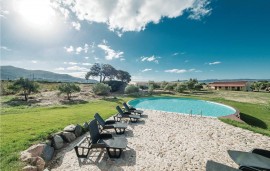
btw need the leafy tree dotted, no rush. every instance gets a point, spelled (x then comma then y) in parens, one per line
(101, 89)
(24, 85)
(124, 76)
(169, 87)
(191, 84)
(155, 85)
(198, 86)
(180, 88)
(151, 89)
(69, 88)
(256, 86)
(163, 84)
(130, 89)
(102, 71)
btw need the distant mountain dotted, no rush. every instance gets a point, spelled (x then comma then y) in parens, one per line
(12, 73)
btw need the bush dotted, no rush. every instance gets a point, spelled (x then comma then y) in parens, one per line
(115, 85)
(180, 88)
(101, 89)
(150, 89)
(131, 89)
(169, 87)
(69, 88)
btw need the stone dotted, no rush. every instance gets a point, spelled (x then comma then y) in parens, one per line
(47, 153)
(58, 142)
(30, 168)
(68, 136)
(40, 163)
(78, 130)
(33, 151)
(48, 142)
(85, 127)
(70, 128)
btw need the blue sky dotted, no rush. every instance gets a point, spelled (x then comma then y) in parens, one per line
(152, 40)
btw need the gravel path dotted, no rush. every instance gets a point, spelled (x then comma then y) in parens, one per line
(168, 141)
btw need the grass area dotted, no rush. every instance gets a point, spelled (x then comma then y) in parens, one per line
(22, 127)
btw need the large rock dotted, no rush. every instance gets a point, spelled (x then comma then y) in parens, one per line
(33, 151)
(30, 168)
(47, 153)
(40, 163)
(70, 128)
(78, 130)
(85, 127)
(58, 142)
(68, 136)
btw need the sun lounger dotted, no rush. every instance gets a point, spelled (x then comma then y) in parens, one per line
(214, 166)
(113, 145)
(117, 126)
(121, 114)
(250, 161)
(132, 110)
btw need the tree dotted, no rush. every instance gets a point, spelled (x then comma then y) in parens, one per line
(102, 71)
(69, 88)
(198, 86)
(180, 87)
(191, 84)
(131, 89)
(124, 76)
(151, 89)
(169, 87)
(163, 84)
(101, 89)
(26, 86)
(256, 86)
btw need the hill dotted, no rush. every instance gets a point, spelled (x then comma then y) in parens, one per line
(13, 73)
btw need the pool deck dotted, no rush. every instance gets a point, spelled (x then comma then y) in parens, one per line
(168, 141)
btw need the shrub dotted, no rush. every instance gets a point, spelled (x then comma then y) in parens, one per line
(115, 85)
(101, 89)
(180, 88)
(131, 89)
(150, 89)
(169, 87)
(69, 88)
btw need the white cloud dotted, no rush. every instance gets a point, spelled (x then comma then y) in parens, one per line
(180, 71)
(76, 25)
(110, 53)
(5, 48)
(76, 68)
(174, 54)
(86, 64)
(3, 13)
(69, 49)
(78, 74)
(72, 63)
(86, 57)
(78, 50)
(59, 69)
(134, 15)
(214, 63)
(150, 59)
(200, 9)
(147, 69)
(122, 59)
(34, 62)
(96, 58)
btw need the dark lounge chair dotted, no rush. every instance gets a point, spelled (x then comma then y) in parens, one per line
(113, 145)
(121, 114)
(117, 126)
(250, 161)
(132, 109)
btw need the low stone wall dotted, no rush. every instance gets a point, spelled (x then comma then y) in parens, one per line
(39, 155)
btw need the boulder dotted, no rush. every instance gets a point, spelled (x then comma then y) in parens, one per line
(68, 136)
(78, 130)
(40, 163)
(30, 168)
(70, 128)
(85, 127)
(58, 142)
(33, 151)
(47, 153)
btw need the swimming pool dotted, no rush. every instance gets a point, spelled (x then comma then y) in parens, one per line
(183, 105)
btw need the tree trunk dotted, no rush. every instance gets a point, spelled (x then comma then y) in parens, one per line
(25, 97)
(69, 95)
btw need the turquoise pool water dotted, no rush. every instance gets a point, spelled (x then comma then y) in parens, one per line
(183, 105)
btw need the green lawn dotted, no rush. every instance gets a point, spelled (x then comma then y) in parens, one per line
(21, 127)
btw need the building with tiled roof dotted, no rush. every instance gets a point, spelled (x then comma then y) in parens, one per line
(234, 86)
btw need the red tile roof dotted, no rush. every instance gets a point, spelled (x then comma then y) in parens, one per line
(229, 84)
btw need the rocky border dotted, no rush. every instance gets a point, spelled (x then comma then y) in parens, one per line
(39, 155)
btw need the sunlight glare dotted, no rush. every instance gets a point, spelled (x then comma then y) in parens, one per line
(36, 13)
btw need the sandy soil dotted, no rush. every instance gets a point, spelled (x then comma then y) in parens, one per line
(168, 141)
